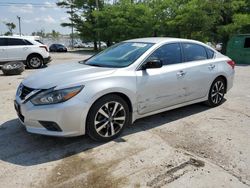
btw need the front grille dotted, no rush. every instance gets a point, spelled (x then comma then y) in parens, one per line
(25, 91)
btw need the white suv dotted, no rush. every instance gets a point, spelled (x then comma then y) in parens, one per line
(26, 49)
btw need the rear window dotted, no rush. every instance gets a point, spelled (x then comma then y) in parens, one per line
(247, 43)
(194, 52)
(39, 41)
(210, 53)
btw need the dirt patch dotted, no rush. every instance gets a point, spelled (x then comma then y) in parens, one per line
(85, 170)
(175, 173)
(188, 137)
(77, 171)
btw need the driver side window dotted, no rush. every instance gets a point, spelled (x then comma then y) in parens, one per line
(168, 54)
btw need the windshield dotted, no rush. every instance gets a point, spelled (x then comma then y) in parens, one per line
(119, 55)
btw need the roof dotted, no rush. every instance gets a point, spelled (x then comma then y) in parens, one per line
(156, 40)
(22, 37)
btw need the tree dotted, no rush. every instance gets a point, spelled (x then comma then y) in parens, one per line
(204, 20)
(40, 33)
(234, 19)
(10, 26)
(82, 18)
(55, 34)
(124, 20)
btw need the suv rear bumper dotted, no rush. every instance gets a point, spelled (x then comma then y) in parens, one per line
(47, 60)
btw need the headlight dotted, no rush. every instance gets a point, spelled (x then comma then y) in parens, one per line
(55, 96)
(19, 90)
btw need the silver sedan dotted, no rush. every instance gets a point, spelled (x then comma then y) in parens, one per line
(100, 96)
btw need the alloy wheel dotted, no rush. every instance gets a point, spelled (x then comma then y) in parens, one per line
(218, 91)
(110, 119)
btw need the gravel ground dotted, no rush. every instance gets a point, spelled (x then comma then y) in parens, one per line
(194, 146)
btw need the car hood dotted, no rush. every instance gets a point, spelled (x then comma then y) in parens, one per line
(65, 74)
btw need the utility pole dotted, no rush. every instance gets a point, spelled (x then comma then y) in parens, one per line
(72, 27)
(19, 22)
(98, 32)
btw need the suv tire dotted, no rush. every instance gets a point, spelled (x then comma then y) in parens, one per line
(34, 62)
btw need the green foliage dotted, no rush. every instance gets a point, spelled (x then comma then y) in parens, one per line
(123, 21)
(40, 33)
(205, 20)
(10, 27)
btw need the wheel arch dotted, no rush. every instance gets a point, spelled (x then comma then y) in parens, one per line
(120, 94)
(225, 79)
(34, 54)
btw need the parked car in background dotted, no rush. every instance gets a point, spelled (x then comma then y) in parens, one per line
(57, 48)
(130, 80)
(78, 44)
(88, 44)
(24, 48)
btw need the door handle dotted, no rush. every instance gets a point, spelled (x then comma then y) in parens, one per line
(211, 67)
(25, 48)
(181, 73)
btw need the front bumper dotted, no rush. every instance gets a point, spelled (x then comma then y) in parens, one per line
(47, 60)
(70, 116)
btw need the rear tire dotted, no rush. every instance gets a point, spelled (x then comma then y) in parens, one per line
(13, 68)
(216, 92)
(34, 62)
(107, 118)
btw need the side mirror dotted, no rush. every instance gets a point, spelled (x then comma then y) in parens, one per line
(152, 64)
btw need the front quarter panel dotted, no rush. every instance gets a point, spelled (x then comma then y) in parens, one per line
(122, 81)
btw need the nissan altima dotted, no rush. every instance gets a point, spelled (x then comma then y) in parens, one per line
(100, 96)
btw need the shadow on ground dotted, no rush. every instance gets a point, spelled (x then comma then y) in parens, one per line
(25, 149)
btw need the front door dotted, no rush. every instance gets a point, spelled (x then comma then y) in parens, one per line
(161, 87)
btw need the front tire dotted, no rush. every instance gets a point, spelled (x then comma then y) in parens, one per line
(216, 92)
(34, 62)
(107, 118)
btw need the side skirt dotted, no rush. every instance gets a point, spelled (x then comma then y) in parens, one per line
(138, 116)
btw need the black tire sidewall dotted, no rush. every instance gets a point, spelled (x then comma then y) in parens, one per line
(90, 127)
(210, 101)
(16, 71)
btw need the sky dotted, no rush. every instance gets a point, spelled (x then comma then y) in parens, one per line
(35, 15)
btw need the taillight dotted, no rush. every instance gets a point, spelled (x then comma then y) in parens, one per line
(231, 63)
(45, 47)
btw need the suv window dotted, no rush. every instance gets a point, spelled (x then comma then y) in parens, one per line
(168, 54)
(17, 42)
(194, 52)
(39, 41)
(2, 42)
(210, 53)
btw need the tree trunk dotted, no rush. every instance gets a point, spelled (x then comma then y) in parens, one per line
(95, 46)
(109, 43)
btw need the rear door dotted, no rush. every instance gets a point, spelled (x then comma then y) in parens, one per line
(17, 49)
(3, 53)
(199, 69)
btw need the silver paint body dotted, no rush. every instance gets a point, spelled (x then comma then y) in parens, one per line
(150, 91)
